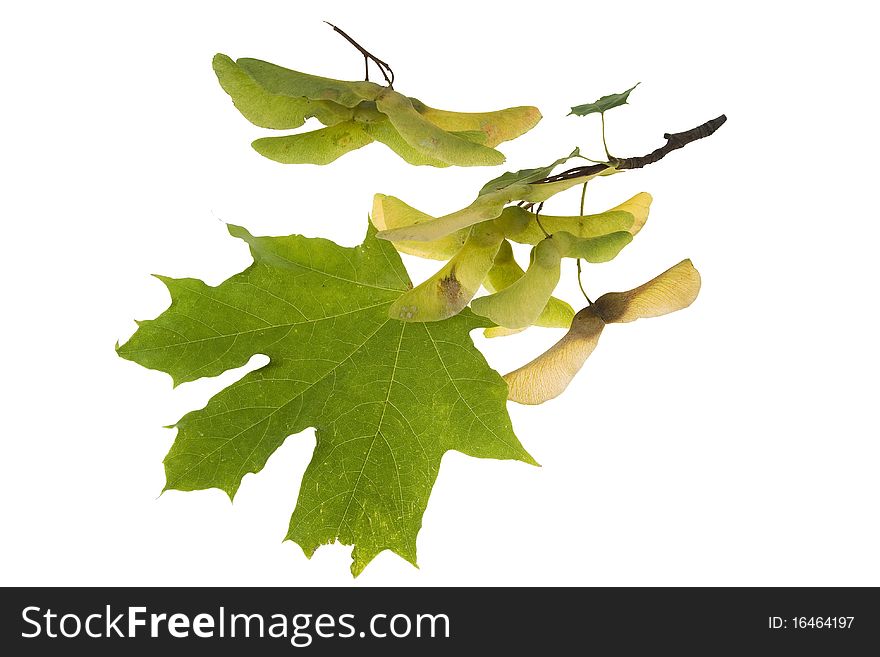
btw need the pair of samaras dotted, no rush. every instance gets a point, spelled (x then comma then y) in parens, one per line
(550, 373)
(358, 113)
(480, 254)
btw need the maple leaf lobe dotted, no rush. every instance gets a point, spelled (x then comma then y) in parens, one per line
(386, 398)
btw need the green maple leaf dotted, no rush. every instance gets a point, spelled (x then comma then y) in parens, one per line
(604, 104)
(387, 398)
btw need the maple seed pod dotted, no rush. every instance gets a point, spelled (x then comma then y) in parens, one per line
(630, 216)
(675, 289)
(390, 212)
(497, 127)
(483, 208)
(638, 206)
(504, 273)
(321, 146)
(549, 374)
(271, 110)
(519, 305)
(356, 113)
(592, 249)
(447, 292)
(423, 135)
(489, 205)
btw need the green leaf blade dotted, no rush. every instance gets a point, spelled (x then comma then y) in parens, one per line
(524, 176)
(408, 445)
(604, 104)
(340, 364)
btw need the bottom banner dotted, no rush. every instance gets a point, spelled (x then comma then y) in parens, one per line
(105, 621)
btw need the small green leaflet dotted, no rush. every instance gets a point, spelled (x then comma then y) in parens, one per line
(387, 398)
(604, 104)
(524, 175)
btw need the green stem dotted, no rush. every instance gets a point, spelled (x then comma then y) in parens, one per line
(580, 284)
(538, 219)
(604, 143)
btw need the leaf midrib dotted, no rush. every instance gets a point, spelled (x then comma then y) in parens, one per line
(261, 328)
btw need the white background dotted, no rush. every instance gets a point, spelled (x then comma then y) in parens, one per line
(734, 443)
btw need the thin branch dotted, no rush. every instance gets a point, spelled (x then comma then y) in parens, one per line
(383, 67)
(673, 142)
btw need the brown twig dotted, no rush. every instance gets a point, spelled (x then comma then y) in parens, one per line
(383, 67)
(674, 141)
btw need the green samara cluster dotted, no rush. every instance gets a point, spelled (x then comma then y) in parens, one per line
(476, 240)
(358, 113)
(385, 371)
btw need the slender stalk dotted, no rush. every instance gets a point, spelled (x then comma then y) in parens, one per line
(383, 67)
(538, 219)
(604, 143)
(580, 283)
